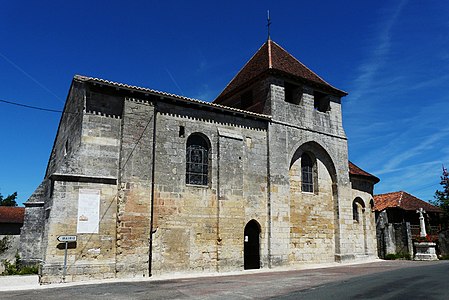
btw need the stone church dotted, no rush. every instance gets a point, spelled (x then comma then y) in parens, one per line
(151, 182)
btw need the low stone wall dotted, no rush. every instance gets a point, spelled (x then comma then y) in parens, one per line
(10, 253)
(394, 238)
(443, 242)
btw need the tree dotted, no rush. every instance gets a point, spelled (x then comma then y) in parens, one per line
(8, 201)
(442, 197)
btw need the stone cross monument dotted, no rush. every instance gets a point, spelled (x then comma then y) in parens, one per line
(422, 224)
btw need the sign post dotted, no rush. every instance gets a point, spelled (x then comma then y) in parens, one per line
(66, 239)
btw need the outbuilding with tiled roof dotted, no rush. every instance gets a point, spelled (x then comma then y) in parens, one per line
(402, 206)
(11, 219)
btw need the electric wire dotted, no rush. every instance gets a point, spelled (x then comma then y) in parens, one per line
(59, 111)
(30, 106)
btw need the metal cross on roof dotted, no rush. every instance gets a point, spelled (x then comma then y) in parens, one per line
(268, 23)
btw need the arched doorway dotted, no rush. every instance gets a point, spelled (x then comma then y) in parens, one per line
(251, 247)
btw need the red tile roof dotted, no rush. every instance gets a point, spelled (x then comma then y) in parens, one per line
(10, 214)
(402, 200)
(271, 56)
(354, 170)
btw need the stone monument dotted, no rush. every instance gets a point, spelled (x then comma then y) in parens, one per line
(424, 250)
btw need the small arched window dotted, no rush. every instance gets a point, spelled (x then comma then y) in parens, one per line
(371, 204)
(355, 211)
(307, 173)
(197, 160)
(356, 205)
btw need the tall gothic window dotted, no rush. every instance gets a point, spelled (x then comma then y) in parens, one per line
(307, 173)
(197, 160)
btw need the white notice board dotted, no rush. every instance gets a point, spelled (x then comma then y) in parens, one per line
(88, 211)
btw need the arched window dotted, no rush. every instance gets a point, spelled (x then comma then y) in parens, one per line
(356, 205)
(355, 211)
(371, 204)
(197, 160)
(307, 173)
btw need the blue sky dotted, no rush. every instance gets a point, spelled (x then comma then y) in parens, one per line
(391, 56)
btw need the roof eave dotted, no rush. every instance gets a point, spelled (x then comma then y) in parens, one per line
(325, 87)
(165, 95)
(371, 178)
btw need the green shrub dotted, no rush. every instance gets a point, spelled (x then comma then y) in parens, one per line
(4, 244)
(444, 257)
(405, 256)
(15, 268)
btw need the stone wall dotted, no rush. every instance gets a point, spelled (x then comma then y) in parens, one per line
(300, 127)
(363, 231)
(134, 202)
(393, 238)
(10, 253)
(201, 227)
(93, 255)
(91, 163)
(31, 236)
(443, 242)
(312, 218)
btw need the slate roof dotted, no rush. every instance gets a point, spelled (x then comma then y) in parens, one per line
(354, 170)
(10, 214)
(404, 201)
(168, 95)
(271, 56)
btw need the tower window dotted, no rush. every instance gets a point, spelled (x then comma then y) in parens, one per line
(293, 93)
(197, 160)
(246, 99)
(321, 102)
(182, 131)
(66, 148)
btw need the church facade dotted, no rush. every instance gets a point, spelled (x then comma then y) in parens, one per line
(151, 182)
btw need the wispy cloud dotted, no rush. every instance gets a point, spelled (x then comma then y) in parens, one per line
(205, 93)
(377, 56)
(421, 179)
(432, 82)
(419, 149)
(399, 93)
(174, 81)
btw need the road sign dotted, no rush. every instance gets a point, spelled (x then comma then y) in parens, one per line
(67, 238)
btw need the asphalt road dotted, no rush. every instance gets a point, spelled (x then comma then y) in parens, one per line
(423, 282)
(379, 280)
